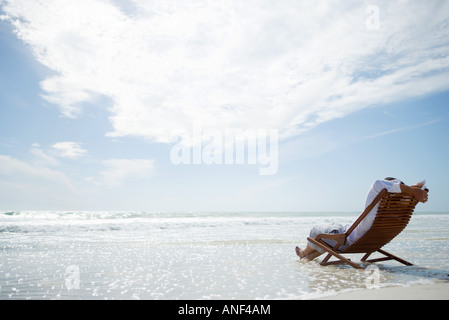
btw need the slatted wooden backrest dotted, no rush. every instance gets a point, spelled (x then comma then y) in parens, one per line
(393, 215)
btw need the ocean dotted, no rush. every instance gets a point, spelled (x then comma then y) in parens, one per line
(95, 255)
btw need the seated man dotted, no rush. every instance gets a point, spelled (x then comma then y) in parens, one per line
(418, 191)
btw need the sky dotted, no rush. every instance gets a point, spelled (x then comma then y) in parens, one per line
(100, 98)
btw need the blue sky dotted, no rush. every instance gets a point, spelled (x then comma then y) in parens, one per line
(95, 94)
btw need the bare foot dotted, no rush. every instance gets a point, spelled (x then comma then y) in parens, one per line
(300, 252)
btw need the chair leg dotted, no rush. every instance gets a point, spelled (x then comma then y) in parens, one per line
(366, 256)
(388, 256)
(395, 258)
(333, 253)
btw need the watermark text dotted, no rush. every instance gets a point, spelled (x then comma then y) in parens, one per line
(372, 21)
(231, 147)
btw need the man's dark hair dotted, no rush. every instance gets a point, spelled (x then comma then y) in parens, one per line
(390, 179)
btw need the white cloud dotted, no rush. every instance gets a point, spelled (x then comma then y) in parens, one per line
(41, 158)
(37, 172)
(68, 149)
(287, 65)
(118, 170)
(402, 129)
(22, 171)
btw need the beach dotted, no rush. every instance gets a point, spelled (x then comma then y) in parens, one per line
(104, 255)
(438, 291)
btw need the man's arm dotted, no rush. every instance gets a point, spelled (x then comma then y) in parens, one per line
(415, 191)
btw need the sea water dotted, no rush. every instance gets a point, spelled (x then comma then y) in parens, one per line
(139, 255)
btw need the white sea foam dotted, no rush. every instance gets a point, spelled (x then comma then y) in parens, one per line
(129, 255)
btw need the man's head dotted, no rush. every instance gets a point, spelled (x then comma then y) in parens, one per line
(393, 179)
(418, 185)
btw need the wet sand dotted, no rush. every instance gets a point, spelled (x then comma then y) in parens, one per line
(438, 291)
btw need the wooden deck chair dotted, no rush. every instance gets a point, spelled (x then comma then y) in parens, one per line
(393, 215)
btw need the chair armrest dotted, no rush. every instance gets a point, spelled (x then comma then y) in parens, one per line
(339, 237)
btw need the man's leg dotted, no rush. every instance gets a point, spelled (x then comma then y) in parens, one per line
(308, 253)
